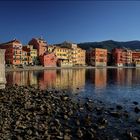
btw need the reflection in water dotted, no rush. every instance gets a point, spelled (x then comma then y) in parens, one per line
(21, 78)
(127, 76)
(60, 79)
(2, 77)
(74, 79)
(100, 78)
(111, 85)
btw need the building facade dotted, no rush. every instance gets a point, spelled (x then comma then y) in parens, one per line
(97, 57)
(122, 57)
(76, 55)
(39, 44)
(63, 55)
(13, 54)
(136, 58)
(2, 69)
(48, 60)
(31, 54)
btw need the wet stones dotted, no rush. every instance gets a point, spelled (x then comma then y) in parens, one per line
(89, 106)
(131, 136)
(138, 120)
(79, 133)
(137, 109)
(115, 114)
(135, 103)
(30, 113)
(119, 107)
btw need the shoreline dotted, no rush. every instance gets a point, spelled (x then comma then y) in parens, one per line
(7, 69)
(44, 114)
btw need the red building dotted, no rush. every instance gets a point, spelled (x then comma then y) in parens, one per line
(122, 57)
(136, 58)
(13, 54)
(39, 44)
(48, 60)
(97, 57)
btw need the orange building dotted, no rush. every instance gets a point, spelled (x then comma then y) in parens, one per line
(97, 57)
(13, 54)
(136, 58)
(122, 57)
(48, 60)
(39, 44)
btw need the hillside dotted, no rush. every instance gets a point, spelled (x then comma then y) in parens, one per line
(110, 44)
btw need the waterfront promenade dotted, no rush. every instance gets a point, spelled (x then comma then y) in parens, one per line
(52, 68)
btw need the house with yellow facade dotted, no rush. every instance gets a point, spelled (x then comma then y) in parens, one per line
(63, 56)
(29, 55)
(68, 54)
(77, 54)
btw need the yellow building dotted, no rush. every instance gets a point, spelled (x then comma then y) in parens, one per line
(63, 55)
(77, 55)
(68, 54)
(31, 54)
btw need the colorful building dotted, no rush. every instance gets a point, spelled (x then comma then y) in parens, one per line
(97, 57)
(122, 57)
(76, 54)
(13, 54)
(39, 44)
(2, 69)
(136, 58)
(63, 55)
(31, 54)
(25, 57)
(48, 60)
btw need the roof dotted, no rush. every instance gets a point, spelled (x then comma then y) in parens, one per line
(12, 41)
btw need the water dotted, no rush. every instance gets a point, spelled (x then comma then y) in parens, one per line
(110, 85)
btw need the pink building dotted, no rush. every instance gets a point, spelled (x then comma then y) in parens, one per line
(48, 60)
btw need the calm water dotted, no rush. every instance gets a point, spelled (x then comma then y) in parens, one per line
(111, 85)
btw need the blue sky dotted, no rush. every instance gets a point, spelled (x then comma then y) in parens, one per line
(76, 21)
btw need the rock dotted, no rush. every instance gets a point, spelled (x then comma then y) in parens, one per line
(89, 135)
(115, 114)
(135, 103)
(29, 132)
(67, 137)
(102, 121)
(125, 113)
(79, 133)
(66, 117)
(137, 109)
(99, 110)
(131, 136)
(119, 107)
(89, 106)
(138, 120)
(77, 122)
(64, 98)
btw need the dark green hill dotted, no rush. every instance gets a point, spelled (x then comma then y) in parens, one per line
(110, 44)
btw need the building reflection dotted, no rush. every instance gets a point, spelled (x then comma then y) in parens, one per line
(46, 79)
(72, 79)
(21, 78)
(124, 76)
(2, 78)
(100, 78)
